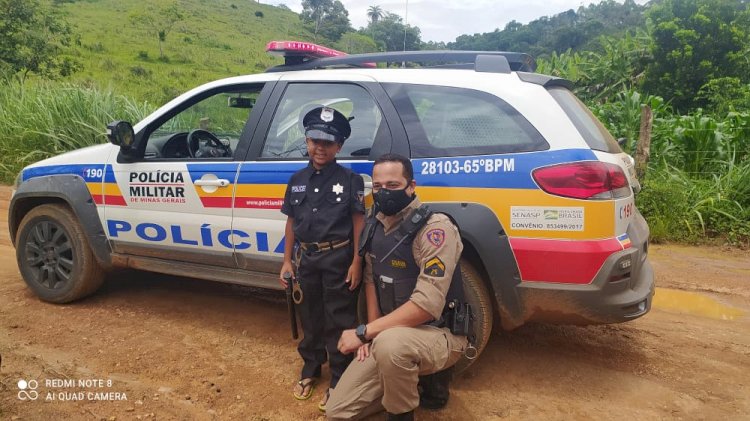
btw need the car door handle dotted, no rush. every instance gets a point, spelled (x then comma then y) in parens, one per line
(213, 183)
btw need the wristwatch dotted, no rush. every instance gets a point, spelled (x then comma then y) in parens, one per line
(361, 331)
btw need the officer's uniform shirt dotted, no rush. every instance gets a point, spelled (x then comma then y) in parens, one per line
(323, 201)
(436, 248)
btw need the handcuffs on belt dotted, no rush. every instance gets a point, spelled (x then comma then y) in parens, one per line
(297, 295)
(296, 289)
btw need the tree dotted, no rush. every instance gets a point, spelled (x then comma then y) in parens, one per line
(157, 19)
(695, 41)
(356, 43)
(32, 39)
(328, 18)
(434, 45)
(392, 35)
(374, 13)
(336, 22)
(575, 30)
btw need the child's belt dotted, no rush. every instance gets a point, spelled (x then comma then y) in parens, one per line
(323, 245)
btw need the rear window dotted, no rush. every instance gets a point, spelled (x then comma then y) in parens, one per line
(593, 131)
(446, 121)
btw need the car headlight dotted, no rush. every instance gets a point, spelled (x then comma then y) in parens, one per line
(17, 183)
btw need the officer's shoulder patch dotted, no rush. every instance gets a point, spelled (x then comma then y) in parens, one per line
(434, 267)
(436, 237)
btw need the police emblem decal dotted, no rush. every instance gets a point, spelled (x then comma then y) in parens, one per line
(326, 114)
(434, 267)
(436, 237)
(338, 189)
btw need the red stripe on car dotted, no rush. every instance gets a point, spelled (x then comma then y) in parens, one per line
(561, 261)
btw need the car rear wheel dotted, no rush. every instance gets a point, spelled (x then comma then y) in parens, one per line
(54, 256)
(478, 297)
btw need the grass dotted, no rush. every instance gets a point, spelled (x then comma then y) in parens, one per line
(45, 119)
(682, 208)
(215, 39)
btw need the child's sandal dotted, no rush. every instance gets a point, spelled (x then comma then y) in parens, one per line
(306, 388)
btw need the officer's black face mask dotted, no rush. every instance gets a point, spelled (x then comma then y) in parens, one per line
(390, 202)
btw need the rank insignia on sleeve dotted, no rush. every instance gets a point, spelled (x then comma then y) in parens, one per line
(434, 267)
(436, 237)
(361, 196)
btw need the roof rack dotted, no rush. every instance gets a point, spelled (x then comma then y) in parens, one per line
(484, 61)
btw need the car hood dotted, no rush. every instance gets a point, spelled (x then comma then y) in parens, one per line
(96, 154)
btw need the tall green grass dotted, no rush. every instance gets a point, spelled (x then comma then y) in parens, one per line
(679, 207)
(45, 119)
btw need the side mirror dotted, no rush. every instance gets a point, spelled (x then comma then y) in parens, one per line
(622, 141)
(121, 133)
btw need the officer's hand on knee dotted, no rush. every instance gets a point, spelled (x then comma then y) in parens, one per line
(349, 342)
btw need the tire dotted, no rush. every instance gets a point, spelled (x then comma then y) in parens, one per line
(478, 297)
(54, 255)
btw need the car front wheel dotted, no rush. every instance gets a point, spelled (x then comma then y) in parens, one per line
(54, 256)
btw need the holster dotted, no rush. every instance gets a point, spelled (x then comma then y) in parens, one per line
(459, 318)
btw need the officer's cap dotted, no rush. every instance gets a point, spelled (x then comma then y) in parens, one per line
(325, 123)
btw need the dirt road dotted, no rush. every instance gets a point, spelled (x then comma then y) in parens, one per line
(180, 349)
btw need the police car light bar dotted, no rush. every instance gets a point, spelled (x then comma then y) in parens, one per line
(301, 49)
(297, 52)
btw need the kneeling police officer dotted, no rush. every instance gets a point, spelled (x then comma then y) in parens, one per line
(413, 288)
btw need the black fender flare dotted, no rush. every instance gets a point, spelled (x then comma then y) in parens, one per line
(72, 190)
(481, 228)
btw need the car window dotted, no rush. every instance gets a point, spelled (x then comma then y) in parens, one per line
(209, 128)
(445, 121)
(593, 131)
(286, 137)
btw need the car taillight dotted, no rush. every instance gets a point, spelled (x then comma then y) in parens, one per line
(583, 180)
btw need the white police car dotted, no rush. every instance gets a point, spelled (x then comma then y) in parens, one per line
(542, 193)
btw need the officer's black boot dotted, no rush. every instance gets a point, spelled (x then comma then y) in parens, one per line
(434, 389)
(406, 416)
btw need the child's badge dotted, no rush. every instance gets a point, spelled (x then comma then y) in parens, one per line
(436, 237)
(326, 114)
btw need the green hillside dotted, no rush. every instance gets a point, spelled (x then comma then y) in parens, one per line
(213, 39)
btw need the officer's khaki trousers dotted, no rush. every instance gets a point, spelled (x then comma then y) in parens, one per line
(388, 378)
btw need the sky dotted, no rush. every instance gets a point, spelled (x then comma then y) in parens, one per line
(442, 20)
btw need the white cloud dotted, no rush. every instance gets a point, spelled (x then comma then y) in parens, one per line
(446, 20)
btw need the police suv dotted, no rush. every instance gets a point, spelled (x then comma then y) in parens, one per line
(542, 193)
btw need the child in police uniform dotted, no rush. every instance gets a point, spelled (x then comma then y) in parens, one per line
(324, 205)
